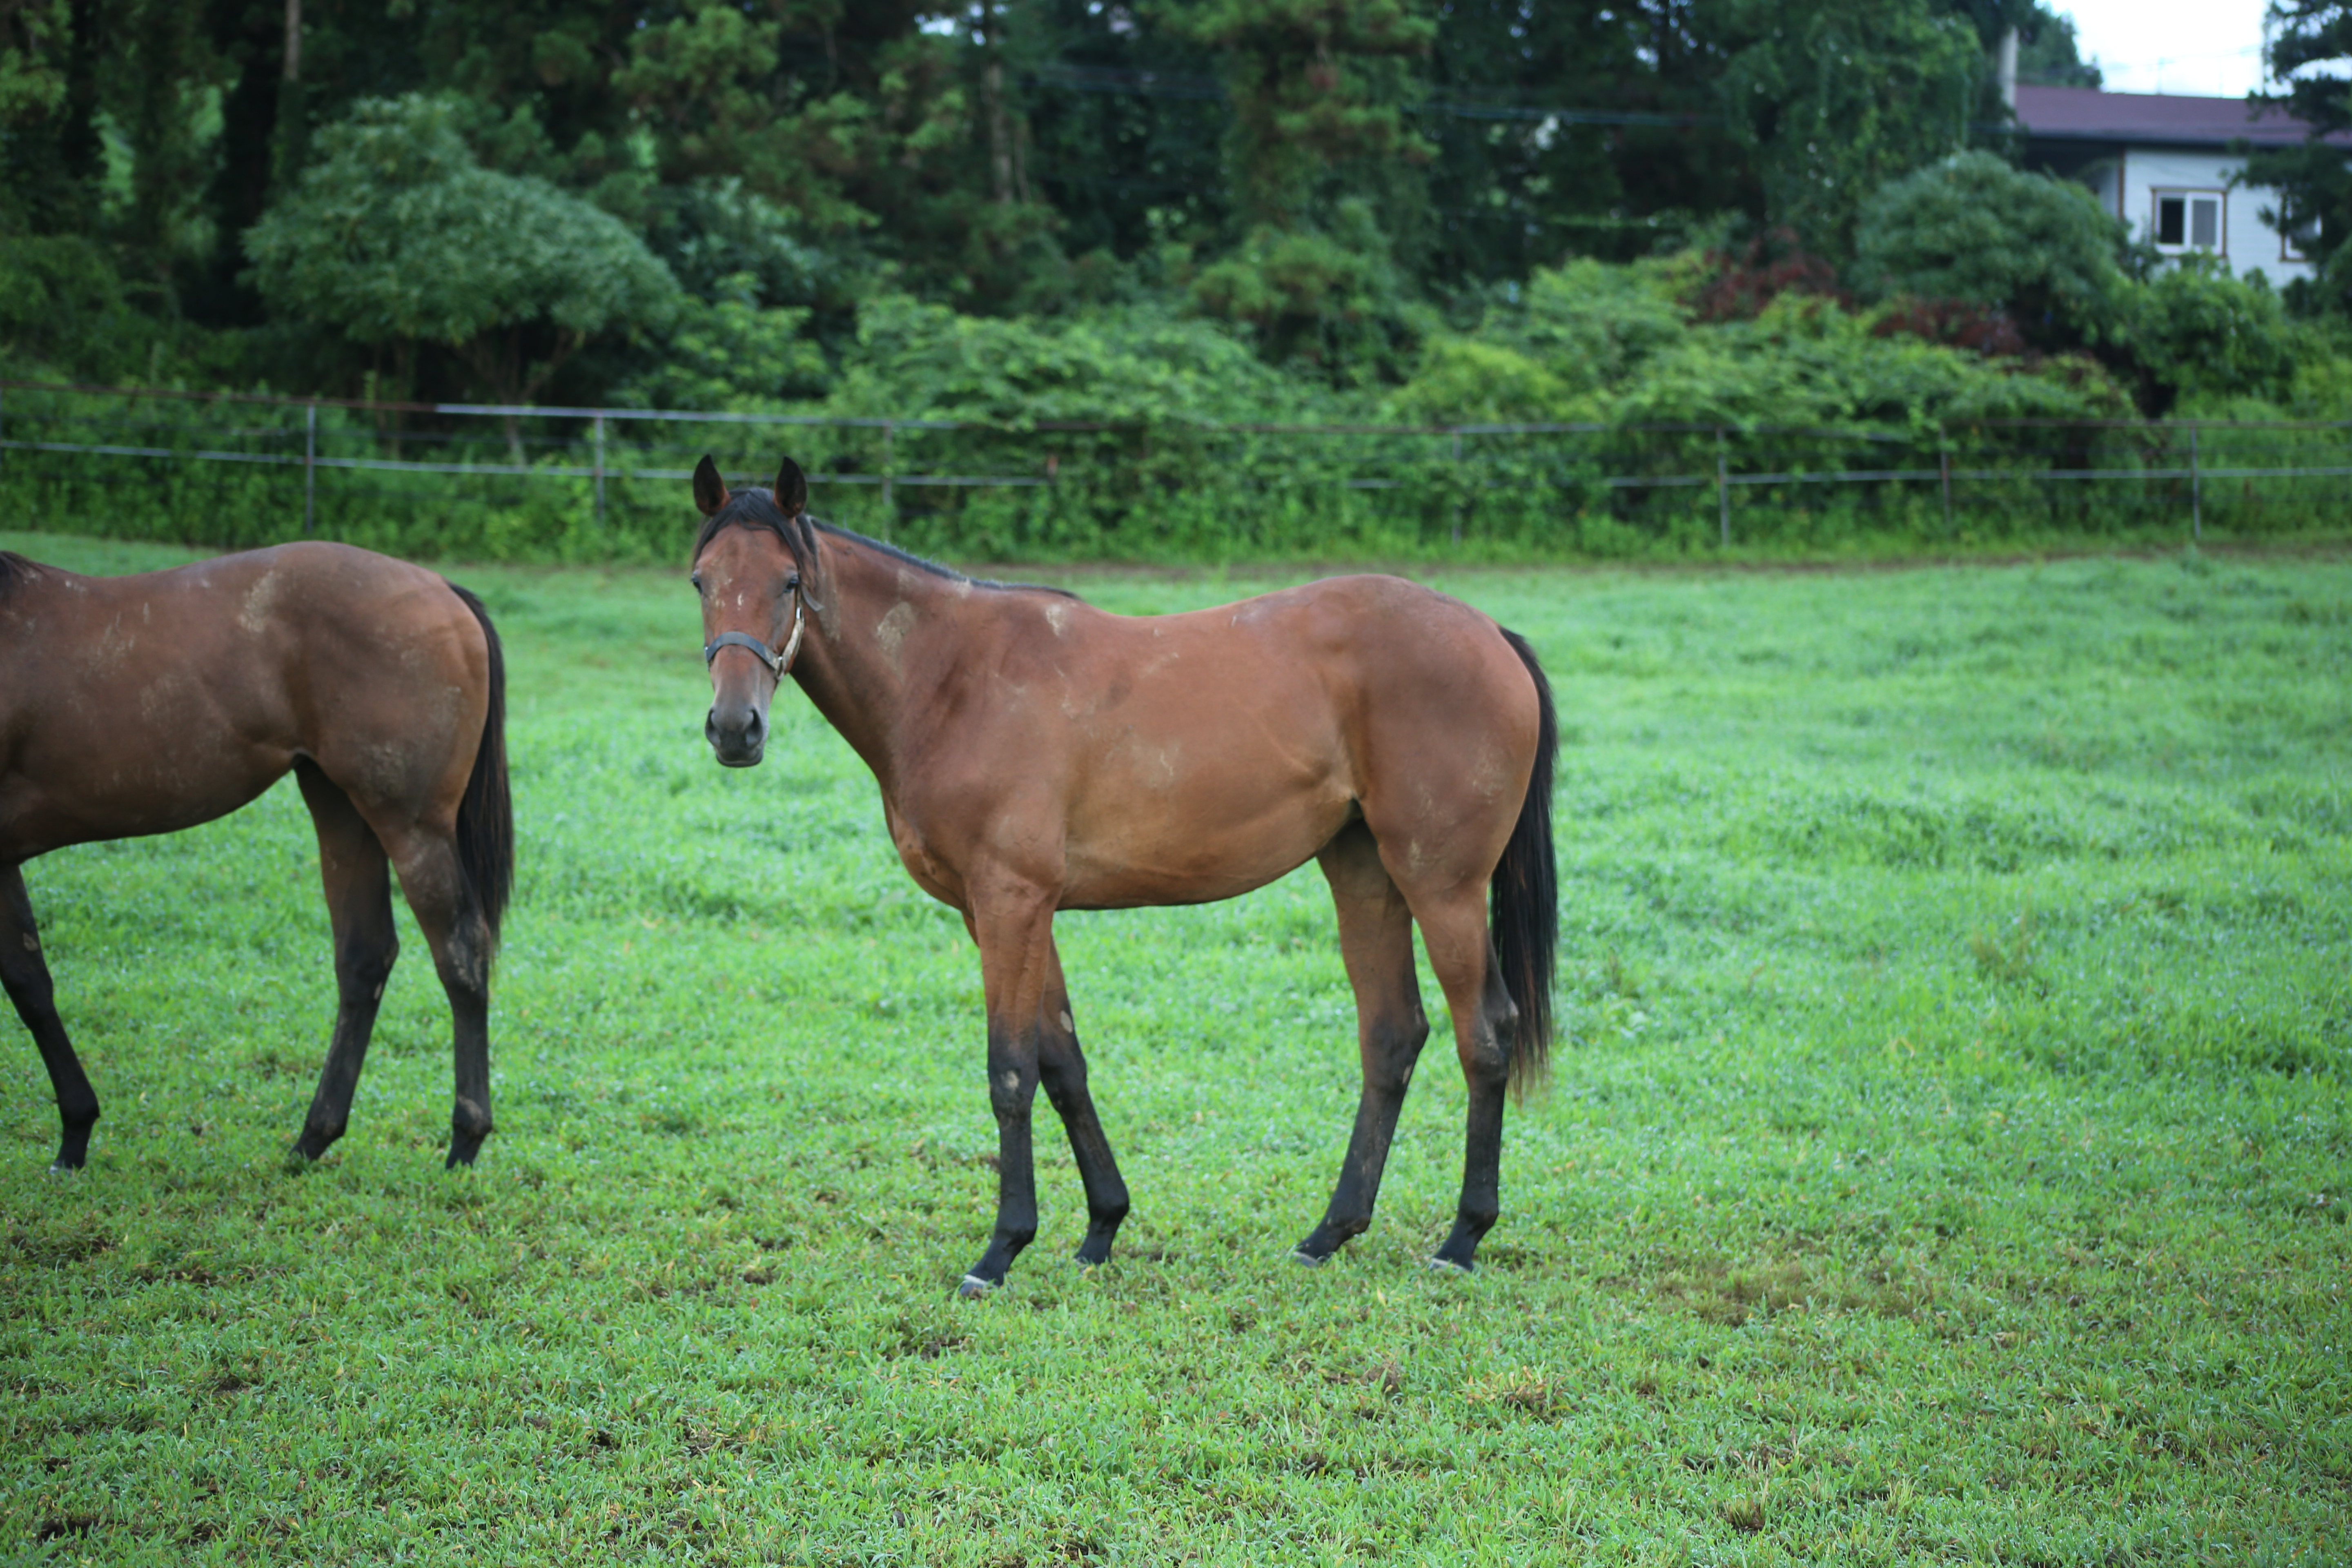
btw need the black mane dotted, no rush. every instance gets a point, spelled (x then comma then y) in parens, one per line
(13, 569)
(909, 558)
(756, 508)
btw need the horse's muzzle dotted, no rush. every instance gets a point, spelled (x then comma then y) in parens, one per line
(739, 738)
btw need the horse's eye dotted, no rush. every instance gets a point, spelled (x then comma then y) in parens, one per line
(792, 583)
(696, 580)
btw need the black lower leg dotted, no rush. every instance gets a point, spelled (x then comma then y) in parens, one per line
(25, 974)
(1390, 1053)
(470, 1117)
(1487, 1071)
(1062, 1068)
(1011, 1089)
(1482, 1161)
(1351, 1213)
(361, 970)
(466, 975)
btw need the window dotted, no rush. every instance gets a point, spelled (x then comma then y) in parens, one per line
(2188, 220)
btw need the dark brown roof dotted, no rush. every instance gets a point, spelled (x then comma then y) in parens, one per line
(2086, 115)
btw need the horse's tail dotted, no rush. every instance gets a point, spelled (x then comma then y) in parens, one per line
(486, 813)
(1524, 896)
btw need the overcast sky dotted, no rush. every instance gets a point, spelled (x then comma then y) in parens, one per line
(2202, 47)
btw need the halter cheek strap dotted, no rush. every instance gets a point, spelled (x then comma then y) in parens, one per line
(777, 663)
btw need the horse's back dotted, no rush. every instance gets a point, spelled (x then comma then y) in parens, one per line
(146, 703)
(1204, 753)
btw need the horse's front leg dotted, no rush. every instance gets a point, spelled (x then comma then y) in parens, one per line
(25, 974)
(1014, 927)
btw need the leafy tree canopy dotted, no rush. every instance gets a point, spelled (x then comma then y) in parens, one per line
(396, 233)
(1837, 96)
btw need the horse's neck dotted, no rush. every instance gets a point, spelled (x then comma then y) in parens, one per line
(866, 660)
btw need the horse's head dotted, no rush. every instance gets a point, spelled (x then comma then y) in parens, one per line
(755, 550)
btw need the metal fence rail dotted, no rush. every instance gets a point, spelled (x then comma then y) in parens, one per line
(572, 443)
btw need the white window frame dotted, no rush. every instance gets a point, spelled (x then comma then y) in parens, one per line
(2290, 251)
(2186, 195)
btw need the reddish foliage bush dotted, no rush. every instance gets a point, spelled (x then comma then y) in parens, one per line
(1954, 323)
(1772, 264)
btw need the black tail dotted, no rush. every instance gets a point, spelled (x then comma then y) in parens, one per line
(1523, 899)
(485, 814)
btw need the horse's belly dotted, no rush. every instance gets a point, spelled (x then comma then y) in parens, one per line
(131, 798)
(1146, 858)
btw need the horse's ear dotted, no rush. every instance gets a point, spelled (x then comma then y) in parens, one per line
(792, 489)
(709, 489)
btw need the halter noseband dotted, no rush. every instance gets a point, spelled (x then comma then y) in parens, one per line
(777, 663)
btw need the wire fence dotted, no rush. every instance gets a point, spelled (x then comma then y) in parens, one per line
(474, 479)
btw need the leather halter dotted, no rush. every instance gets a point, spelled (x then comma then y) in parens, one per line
(777, 663)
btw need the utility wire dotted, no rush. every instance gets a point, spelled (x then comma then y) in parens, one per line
(1174, 84)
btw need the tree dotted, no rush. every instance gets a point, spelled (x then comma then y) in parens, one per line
(2313, 180)
(1570, 127)
(1125, 122)
(1971, 229)
(51, 156)
(1319, 164)
(1836, 97)
(396, 235)
(1317, 89)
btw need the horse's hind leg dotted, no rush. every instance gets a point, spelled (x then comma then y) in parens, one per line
(1486, 1021)
(1376, 944)
(1062, 1070)
(25, 975)
(459, 935)
(358, 882)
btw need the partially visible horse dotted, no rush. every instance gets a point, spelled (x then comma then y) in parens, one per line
(1037, 755)
(139, 705)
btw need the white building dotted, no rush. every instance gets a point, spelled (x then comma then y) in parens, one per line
(2163, 164)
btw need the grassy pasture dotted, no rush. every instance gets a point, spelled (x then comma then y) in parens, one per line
(1950, 1163)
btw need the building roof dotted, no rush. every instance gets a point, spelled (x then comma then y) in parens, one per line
(2086, 115)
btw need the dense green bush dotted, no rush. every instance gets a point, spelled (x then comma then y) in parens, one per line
(1972, 228)
(2205, 336)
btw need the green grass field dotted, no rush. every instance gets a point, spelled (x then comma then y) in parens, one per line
(1947, 1163)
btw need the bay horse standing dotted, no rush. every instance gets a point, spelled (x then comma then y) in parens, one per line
(1037, 755)
(145, 704)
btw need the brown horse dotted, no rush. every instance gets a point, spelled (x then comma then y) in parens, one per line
(138, 705)
(1037, 755)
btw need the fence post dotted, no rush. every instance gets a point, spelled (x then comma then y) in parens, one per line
(600, 467)
(310, 467)
(2196, 490)
(1459, 499)
(1722, 488)
(1944, 461)
(888, 511)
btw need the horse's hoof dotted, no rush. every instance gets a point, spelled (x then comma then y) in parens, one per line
(1307, 1259)
(63, 1167)
(1448, 1266)
(462, 1152)
(973, 1287)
